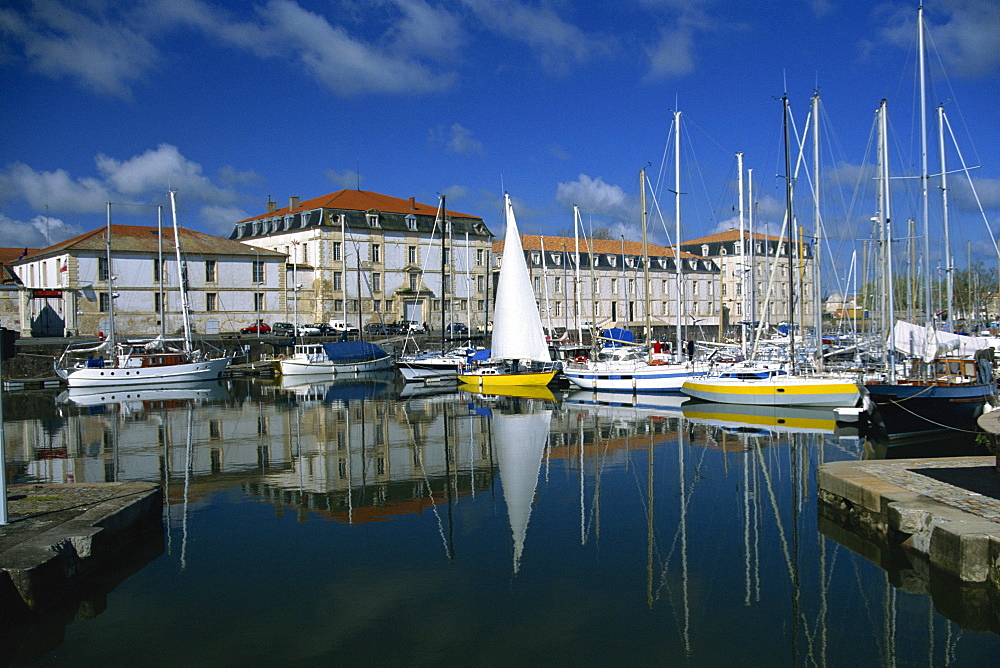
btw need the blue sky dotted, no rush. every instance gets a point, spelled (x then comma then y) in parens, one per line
(557, 102)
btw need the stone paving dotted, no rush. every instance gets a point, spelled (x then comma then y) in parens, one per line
(901, 474)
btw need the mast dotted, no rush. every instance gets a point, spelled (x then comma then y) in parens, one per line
(923, 166)
(111, 285)
(545, 284)
(678, 349)
(343, 264)
(788, 214)
(182, 278)
(753, 253)
(159, 270)
(886, 220)
(817, 254)
(645, 262)
(743, 255)
(576, 290)
(948, 268)
(439, 220)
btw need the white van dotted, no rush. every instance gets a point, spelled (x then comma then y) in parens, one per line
(343, 326)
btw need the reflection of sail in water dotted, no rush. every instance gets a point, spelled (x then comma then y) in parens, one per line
(519, 441)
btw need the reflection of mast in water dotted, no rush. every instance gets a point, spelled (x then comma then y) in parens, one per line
(683, 532)
(188, 452)
(418, 462)
(450, 486)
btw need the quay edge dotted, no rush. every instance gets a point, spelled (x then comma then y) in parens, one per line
(82, 528)
(956, 530)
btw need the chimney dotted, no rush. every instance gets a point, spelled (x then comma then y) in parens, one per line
(293, 203)
(413, 204)
(271, 206)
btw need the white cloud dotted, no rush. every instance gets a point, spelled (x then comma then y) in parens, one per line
(428, 31)
(672, 55)
(345, 178)
(456, 139)
(556, 43)
(963, 33)
(141, 179)
(455, 193)
(593, 196)
(36, 233)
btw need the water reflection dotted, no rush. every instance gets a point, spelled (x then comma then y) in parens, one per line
(565, 527)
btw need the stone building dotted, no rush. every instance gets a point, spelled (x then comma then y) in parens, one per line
(365, 257)
(610, 287)
(67, 287)
(753, 277)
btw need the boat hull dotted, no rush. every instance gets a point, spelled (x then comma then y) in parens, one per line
(294, 367)
(774, 392)
(638, 378)
(488, 380)
(421, 371)
(912, 408)
(175, 373)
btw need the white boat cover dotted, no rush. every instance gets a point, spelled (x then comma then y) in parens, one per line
(928, 343)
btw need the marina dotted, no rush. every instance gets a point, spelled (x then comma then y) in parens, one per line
(323, 519)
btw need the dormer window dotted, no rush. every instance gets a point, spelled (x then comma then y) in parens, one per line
(704, 249)
(662, 262)
(612, 259)
(556, 258)
(372, 219)
(630, 262)
(536, 258)
(738, 248)
(411, 223)
(693, 264)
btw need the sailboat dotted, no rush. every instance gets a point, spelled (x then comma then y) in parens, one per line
(619, 369)
(950, 378)
(144, 362)
(519, 354)
(770, 385)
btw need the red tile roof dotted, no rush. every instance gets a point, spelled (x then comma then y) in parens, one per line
(730, 235)
(362, 200)
(143, 239)
(600, 246)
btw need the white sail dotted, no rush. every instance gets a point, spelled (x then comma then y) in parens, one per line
(520, 442)
(517, 326)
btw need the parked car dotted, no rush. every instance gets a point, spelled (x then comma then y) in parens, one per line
(309, 330)
(377, 328)
(413, 327)
(457, 328)
(282, 329)
(259, 327)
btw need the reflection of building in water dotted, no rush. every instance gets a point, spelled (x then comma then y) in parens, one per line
(390, 455)
(368, 460)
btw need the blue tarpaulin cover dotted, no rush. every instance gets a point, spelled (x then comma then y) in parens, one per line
(618, 334)
(480, 356)
(353, 351)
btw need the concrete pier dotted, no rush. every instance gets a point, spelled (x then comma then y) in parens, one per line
(927, 507)
(60, 534)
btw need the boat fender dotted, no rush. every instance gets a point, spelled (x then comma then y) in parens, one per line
(580, 359)
(657, 363)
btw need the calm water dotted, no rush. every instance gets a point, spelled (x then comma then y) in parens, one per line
(318, 523)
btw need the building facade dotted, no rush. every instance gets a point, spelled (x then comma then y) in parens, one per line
(608, 286)
(753, 277)
(365, 257)
(68, 287)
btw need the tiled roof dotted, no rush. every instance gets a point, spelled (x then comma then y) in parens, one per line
(730, 235)
(143, 239)
(600, 246)
(8, 255)
(362, 200)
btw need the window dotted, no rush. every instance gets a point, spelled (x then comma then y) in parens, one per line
(538, 284)
(375, 305)
(338, 305)
(388, 306)
(338, 281)
(481, 304)
(376, 282)
(211, 301)
(480, 283)
(210, 271)
(411, 254)
(436, 305)
(631, 286)
(352, 305)
(157, 302)
(447, 255)
(376, 252)
(558, 285)
(614, 286)
(413, 282)
(372, 219)
(105, 302)
(102, 268)
(258, 271)
(536, 258)
(596, 286)
(411, 223)
(445, 283)
(159, 271)
(479, 256)
(337, 256)
(557, 311)
(258, 301)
